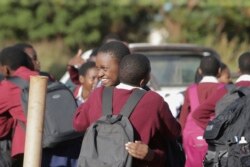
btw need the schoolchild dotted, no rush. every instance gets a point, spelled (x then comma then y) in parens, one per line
(88, 81)
(31, 52)
(134, 73)
(206, 110)
(194, 146)
(13, 62)
(225, 74)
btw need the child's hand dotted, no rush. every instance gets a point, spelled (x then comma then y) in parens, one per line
(139, 150)
(77, 59)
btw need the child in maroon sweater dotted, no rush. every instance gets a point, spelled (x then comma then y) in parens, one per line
(134, 73)
(195, 147)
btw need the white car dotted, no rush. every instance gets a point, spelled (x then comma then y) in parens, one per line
(173, 65)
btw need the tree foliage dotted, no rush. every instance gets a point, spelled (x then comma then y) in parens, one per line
(77, 22)
(84, 23)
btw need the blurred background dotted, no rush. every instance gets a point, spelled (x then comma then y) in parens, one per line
(58, 28)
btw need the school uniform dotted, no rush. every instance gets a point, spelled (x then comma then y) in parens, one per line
(10, 103)
(151, 119)
(205, 88)
(191, 133)
(74, 75)
(6, 123)
(78, 94)
(11, 112)
(206, 110)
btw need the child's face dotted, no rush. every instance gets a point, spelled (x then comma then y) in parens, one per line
(90, 80)
(32, 54)
(225, 76)
(108, 69)
(4, 70)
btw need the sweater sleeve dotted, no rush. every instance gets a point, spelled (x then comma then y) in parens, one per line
(81, 120)
(168, 124)
(206, 110)
(6, 124)
(74, 75)
(185, 110)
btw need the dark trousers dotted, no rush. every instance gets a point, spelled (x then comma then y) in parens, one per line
(17, 161)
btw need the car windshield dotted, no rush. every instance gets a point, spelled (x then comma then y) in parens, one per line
(176, 69)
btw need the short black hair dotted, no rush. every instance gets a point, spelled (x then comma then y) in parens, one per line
(223, 66)
(93, 54)
(244, 63)
(15, 58)
(110, 37)
(116, 48)
(85, 67)
(134, 68)
(198, 76)
(210, 65)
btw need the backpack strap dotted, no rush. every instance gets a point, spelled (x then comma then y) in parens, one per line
(21, 83)
(193, 97)
(132, 101)
(127, 109)
(242, 91)
(230, 87)
(107, 97)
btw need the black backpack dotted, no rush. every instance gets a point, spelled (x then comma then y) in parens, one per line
(228, 134)
(175, 156)
(60, 108)
(104, 141)
(231, 95)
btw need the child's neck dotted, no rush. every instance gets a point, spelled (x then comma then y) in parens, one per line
(85, 94)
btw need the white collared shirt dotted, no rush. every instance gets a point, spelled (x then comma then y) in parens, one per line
(209, 79)
(244, 77)
(126, 86)
(78, 97)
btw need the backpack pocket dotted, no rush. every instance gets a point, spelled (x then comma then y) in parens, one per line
(216, 158)
(5, 153)
(239, 155)
(213, 129)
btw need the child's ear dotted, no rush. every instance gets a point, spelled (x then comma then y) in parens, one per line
(144, 81)
(5, 70)
(200, 71)
(81, 79)
(219, 71)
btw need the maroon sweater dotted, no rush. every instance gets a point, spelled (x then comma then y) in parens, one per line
(206, 110)
(73, 74)
(204, 90)
(151, 119)
(11, 110)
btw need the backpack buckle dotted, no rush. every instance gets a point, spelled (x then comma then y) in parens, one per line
(113, 118)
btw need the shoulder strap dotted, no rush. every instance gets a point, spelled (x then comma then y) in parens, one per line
(107, 97)
(230, 87)
(127, 109)
(132, 101)
(193, 97)
(19, 82)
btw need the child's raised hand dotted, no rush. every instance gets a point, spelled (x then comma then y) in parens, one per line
(77, 60)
